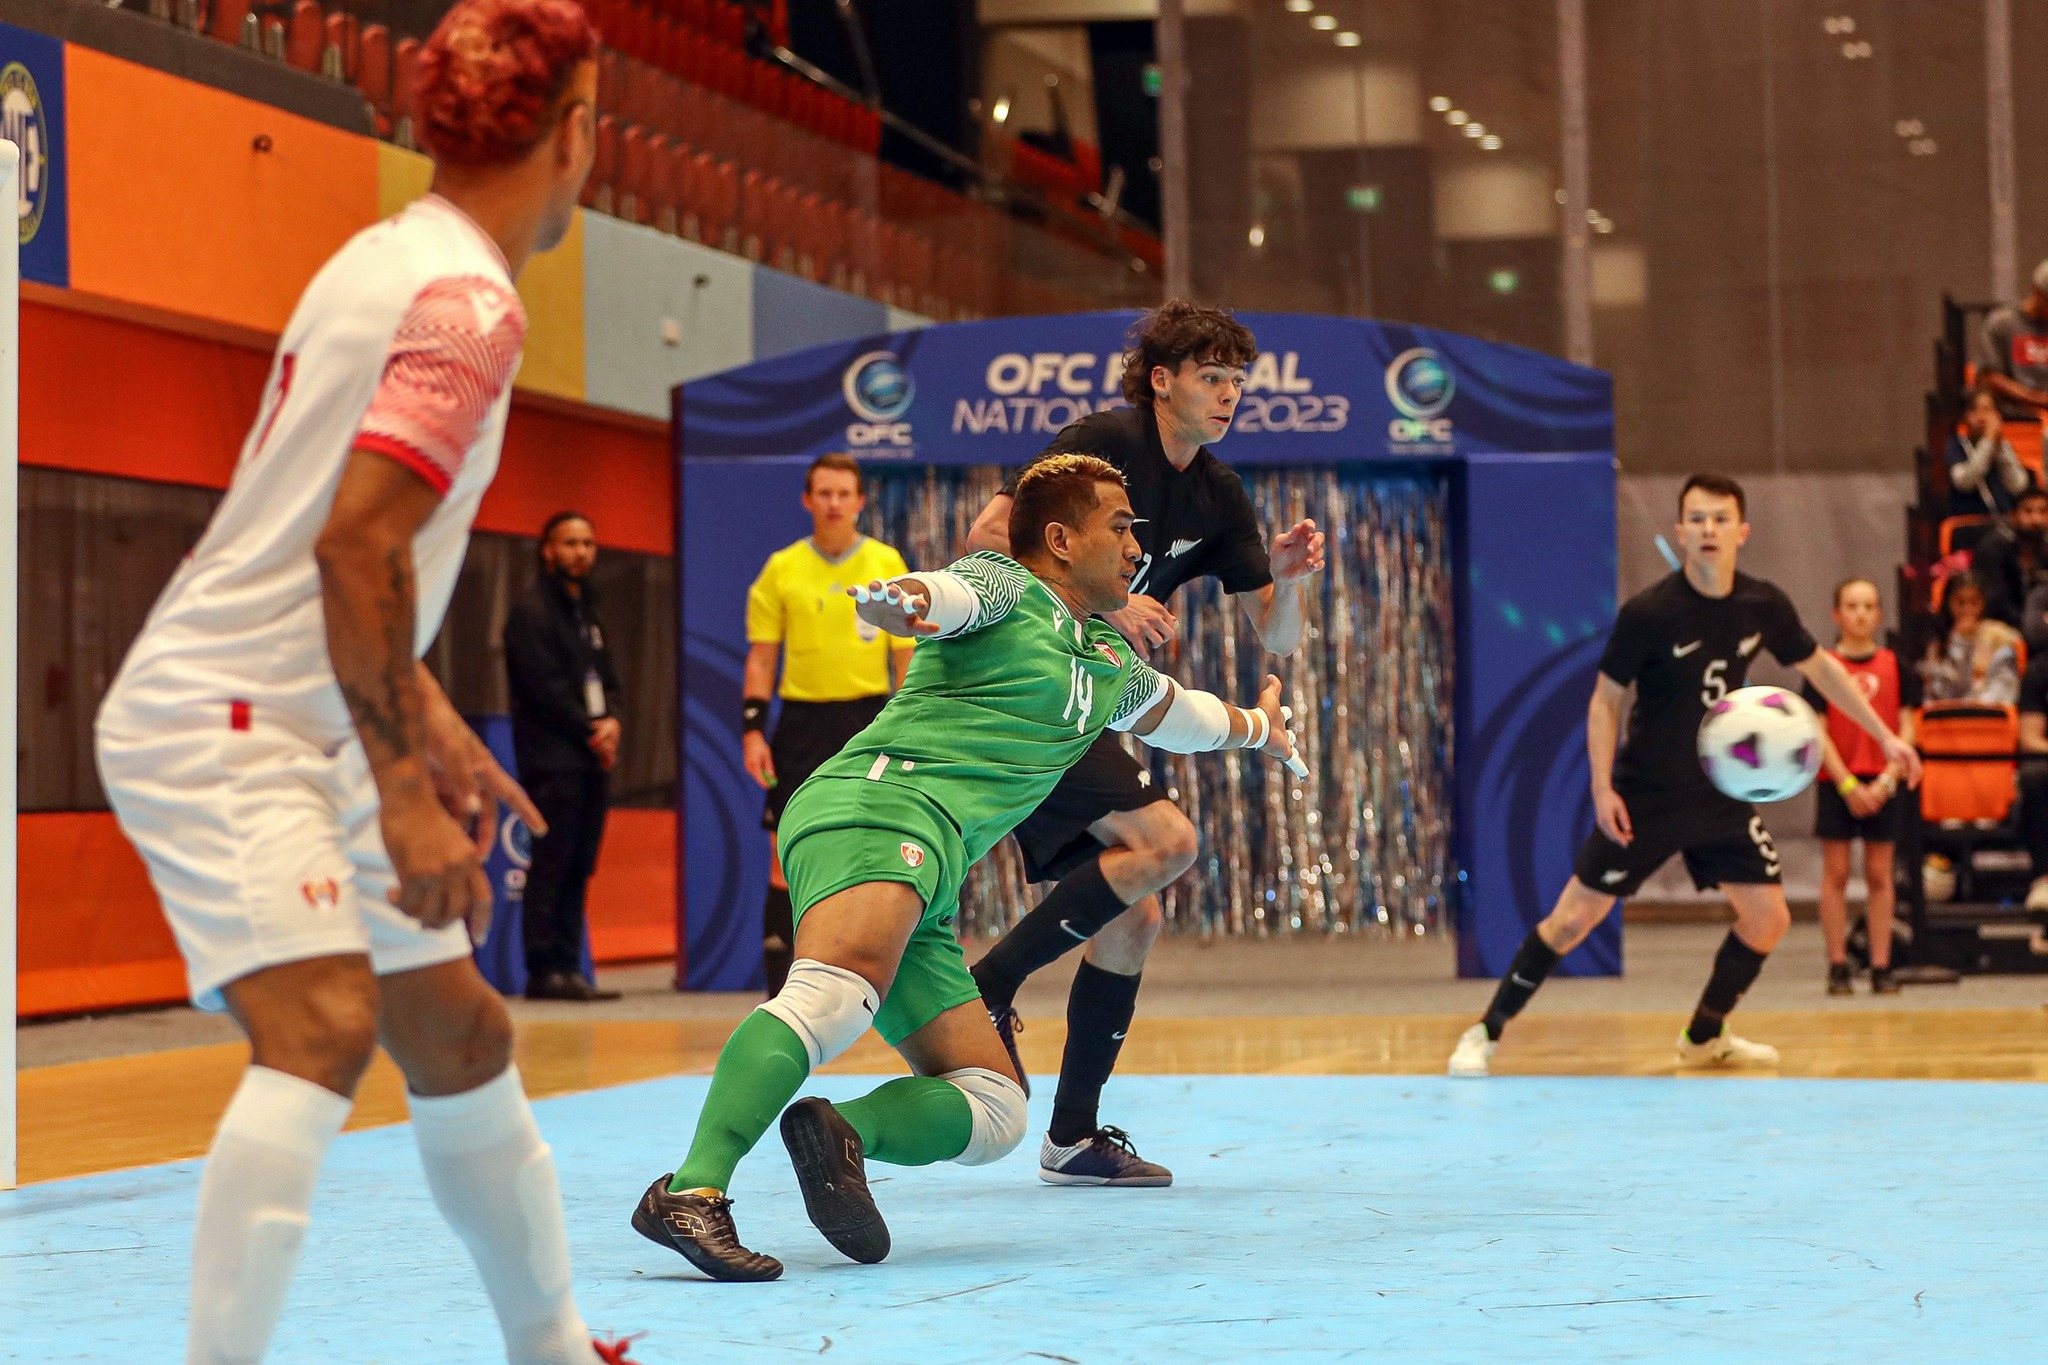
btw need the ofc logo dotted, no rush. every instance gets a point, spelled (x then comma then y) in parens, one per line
(878, 388)
(1420, 388)
(22, 123)
(516, 841)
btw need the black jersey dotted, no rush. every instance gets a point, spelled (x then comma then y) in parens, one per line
(1192, 521)
(1684, 651)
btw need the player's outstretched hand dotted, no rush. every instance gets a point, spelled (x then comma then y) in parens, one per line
(1296, 552)
(890, 608)
(1144, 621)
(1897, 751)
(1610, 812)
(757, 758)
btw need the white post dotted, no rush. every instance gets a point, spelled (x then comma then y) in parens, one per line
(2005, 227)
(10, 410)
(1577, 271)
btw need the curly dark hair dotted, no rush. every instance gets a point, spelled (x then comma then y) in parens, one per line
(1178, 330)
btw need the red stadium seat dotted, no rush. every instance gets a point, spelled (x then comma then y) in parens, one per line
(728, 22)
(405, 85)
(600, 191)
(1962, 533)
(373, 72)
(757, 207)
(633, 174)
(225, 22)
(344, 32)
(722, 207)
(608, 79)
(694, 13)
(666, 159)
(304, 39)
(2025, 439)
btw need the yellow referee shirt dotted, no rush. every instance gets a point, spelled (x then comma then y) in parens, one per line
(800, 602)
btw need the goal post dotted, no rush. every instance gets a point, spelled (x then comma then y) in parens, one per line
(10, 610)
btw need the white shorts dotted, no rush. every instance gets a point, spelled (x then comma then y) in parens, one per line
(264, 849)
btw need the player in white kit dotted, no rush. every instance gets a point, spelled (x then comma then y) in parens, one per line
(313, 812)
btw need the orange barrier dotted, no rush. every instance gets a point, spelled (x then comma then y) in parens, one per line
(92, 937)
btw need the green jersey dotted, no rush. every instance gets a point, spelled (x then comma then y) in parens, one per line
(990, 715)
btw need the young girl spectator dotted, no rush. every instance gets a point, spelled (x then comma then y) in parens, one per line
(1859, 799)
(1984, 475)
(1973, 658)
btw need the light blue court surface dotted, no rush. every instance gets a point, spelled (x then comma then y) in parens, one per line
(1316, 1218)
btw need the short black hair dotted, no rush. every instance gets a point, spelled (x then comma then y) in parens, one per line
(550, 526)
(1721, 486)
(1058, 488)
(1178, 330)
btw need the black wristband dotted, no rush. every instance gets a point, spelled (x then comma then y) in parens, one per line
(753, 715)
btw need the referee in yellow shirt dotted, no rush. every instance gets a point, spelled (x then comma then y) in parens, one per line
(837, 670)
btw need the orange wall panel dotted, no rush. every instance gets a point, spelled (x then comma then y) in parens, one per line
(623, 479)
(632, 907)
(173, 206)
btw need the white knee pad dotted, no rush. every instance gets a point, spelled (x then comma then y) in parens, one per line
(828, 1007)
(998, 1105)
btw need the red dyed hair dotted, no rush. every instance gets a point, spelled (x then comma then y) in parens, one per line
(492, 75)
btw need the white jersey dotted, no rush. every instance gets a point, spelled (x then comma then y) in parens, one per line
(404, 344)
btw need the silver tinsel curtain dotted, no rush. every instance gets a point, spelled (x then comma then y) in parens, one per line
(1364, 844)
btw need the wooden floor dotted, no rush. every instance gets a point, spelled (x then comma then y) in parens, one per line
(138, 1110)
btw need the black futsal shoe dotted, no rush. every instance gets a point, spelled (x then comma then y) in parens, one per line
(833, 1174)
(1882, 982)
(1009, 1024)
(1104, 1157)
(1840, 977)
(565, 986)
(699, 1228)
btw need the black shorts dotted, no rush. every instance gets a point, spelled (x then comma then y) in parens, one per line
(806, 734)
(1055, 838)
(1723, 840)
(1832, 818)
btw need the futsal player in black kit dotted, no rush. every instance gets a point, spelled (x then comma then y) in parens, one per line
(1110, 837)
(1684, 643)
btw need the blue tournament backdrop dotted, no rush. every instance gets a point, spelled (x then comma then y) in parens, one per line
(1470, 486)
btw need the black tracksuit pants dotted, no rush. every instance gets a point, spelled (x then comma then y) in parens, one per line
(573, 802)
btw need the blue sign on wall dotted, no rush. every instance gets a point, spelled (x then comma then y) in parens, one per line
(32, 118)
(1528, 440)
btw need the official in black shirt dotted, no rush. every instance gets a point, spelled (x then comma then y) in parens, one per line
(1684, 644)
(1109, 836)
(565, 735)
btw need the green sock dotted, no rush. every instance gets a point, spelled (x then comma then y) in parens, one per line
(912, 1121)
(760, 1070)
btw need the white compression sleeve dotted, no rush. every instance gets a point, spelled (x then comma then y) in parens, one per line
(493, 1179)
(1194, 723)
(252, 1219)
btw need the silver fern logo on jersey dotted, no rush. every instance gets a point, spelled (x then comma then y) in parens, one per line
(22, 123)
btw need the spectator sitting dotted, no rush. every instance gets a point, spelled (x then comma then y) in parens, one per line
(2012, 356)
(2034, 777)
(2010, 561)
(1974, 658)
(1984, 475)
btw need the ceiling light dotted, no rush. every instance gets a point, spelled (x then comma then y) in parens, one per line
(1257, 236)
(1439, 104)
(1456, 117)
(1490, 143)
(1475, 130)
(1348, 39)
(1604, 225)
(1001, 113)
(1909, 127)
(1323, 23)
(1300, 6)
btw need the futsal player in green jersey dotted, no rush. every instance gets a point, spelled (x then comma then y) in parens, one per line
(1012, 680)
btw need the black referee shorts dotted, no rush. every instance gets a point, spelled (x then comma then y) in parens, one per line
(1832, 818)
(806, 734)
(1723, 841)
(1054, 838)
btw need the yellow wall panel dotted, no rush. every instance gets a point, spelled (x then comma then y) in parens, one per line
(402, 177)
(173, 205)
(551, 287)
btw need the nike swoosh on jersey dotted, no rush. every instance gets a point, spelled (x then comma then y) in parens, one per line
(1748, 646)
(1526, 985)
(1610, 878)
(1181, 547)
(1116, 1037)
(1680, 651)
(1069, 927)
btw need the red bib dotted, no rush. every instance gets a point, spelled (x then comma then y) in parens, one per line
(1878, 676)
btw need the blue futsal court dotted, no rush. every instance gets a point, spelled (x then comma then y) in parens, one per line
(1315, 1219)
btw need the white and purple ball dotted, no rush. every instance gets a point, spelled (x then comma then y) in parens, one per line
(1760, 744)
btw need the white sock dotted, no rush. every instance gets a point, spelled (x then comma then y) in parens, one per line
(494, 1180)
(253, 1202)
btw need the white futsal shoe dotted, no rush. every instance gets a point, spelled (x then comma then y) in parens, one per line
(1474, 1053)
(1727, 1050)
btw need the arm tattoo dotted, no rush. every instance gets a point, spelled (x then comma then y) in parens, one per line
(369, 641)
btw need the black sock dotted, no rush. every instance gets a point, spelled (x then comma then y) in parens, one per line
(1069, 916)
(1735, 969)
(1533, 961)
(1098, 1015)
(778, 938)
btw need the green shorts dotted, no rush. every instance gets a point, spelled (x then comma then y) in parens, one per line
(840, 832)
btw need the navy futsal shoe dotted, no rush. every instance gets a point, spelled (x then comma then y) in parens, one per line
(698, 1227)
(1009, 1024)
(1105, 1157)
(832, 1171)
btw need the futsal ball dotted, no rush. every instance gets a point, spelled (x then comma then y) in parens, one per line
(1760, 744)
